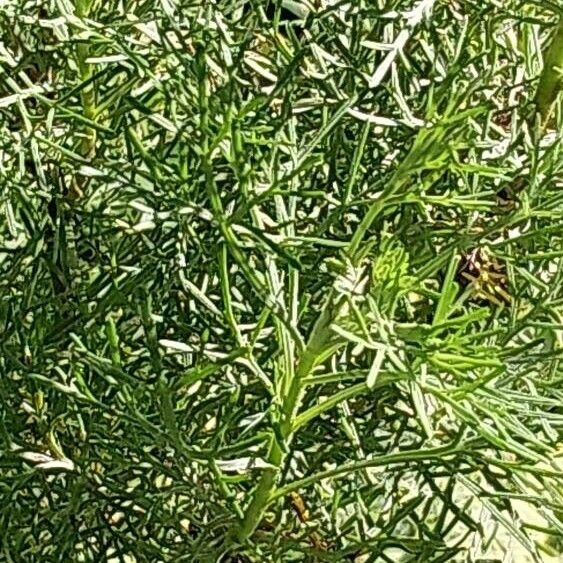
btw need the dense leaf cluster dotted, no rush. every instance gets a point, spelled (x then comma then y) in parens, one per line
(232, 326)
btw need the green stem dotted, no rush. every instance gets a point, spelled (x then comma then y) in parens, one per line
(255, 511)
(278, 448)
(87, 93)
(407, 456)
(342, 395)
(317, 343)
(551, 78)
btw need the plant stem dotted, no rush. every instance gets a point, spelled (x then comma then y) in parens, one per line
(315, 345)
(551, 77)
(87, 93)
(321, 334)
(407, 456)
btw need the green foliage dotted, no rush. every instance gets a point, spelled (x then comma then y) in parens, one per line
(390, 275)
(232, 321)
(550, 81)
